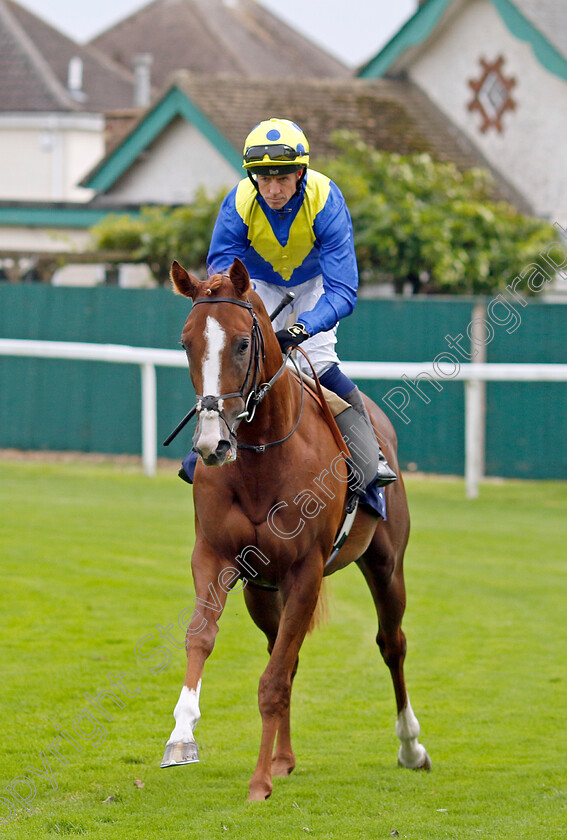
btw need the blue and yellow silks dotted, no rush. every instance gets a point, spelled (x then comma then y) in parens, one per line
(310, 236)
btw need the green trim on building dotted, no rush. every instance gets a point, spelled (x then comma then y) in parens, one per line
(422, 24)
(53, 217)
(175, 103)
(547, 55)
(417, 29)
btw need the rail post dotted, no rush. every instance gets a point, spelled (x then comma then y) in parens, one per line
(149, 419)
(474, 436)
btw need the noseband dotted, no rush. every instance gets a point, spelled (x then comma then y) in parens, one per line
(255, 393)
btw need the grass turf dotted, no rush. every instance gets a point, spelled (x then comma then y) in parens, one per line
(94, 557)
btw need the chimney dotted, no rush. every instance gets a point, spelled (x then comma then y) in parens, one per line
(75, 79)
(143, 82)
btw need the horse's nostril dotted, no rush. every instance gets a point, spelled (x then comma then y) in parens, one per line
(217, 457)
(222, 450)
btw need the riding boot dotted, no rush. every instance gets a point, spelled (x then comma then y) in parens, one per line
(365, 450)
(187, 470)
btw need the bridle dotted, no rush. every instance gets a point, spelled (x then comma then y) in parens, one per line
(214, 403)
(255, 394)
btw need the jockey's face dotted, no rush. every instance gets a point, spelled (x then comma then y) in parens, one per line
(276, 190)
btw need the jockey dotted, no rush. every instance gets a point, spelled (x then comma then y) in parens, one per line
(291, 228)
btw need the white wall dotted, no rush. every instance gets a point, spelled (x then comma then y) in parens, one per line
(172, 168)
(530, 152)
(39, 240)
(44, 156)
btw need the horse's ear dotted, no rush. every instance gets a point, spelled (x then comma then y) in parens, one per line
(239, 277)
(183, 282)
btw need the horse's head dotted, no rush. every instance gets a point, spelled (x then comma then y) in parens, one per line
(224, 346)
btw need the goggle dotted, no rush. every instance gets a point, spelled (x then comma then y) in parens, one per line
(276, 151)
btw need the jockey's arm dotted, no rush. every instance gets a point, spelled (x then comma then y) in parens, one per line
(229, 238)
(339, 269)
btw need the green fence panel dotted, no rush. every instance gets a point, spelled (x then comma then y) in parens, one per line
(413, 330)
(89, 406)
(96, 407)
(525, 422)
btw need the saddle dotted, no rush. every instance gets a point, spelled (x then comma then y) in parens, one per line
(342, 417)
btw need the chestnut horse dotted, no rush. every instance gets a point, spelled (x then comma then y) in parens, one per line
(267, 519)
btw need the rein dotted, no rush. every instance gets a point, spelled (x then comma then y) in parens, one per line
(255, 394)
(262, 447)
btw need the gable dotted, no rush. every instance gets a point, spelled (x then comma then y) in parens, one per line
(489, 84)
(173, 105)
(172, 168)
(423, 28)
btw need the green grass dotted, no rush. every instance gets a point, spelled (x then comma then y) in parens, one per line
(93, 557)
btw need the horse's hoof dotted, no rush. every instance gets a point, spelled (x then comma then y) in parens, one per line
(259, 795)
(424, 764)
(282, 767)
(182, 752)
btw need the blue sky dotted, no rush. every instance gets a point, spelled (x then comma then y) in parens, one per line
(352, 31)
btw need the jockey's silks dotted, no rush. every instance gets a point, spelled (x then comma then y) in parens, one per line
(297, 232)
(310, 236)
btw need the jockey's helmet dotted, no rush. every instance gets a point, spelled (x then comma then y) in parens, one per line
(275, 147)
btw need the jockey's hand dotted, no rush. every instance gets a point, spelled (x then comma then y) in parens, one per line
(292, 336)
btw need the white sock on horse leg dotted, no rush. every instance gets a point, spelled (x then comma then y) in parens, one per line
(187, 715)
(412, 753)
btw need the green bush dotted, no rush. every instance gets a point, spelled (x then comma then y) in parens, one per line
(426, 222)
(118, 233)
(161, 234)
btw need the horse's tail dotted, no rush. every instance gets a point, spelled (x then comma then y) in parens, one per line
(321, 611)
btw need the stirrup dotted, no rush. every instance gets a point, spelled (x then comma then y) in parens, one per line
(386, 474)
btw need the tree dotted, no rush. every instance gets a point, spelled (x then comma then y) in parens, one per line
(158, 235)
(417, 220)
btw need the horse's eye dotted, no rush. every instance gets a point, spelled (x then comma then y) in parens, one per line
(185, 345)
(243, 346)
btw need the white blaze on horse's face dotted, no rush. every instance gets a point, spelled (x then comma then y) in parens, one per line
(215, 338)
(210, 434)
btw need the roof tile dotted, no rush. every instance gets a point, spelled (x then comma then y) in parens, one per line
(216, 36)
(34, 63)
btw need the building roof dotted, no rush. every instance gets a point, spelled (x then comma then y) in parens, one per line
(391, 115)
(541, 23)
(34, 69)
(216, 36)
(388, 114)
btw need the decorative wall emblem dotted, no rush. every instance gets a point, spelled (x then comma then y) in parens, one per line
(492, 94)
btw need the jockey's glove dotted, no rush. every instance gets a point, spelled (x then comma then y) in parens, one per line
(292, 336)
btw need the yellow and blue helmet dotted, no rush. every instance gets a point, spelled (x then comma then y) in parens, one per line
(275, 147)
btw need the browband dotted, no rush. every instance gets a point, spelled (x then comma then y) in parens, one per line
(245, 303)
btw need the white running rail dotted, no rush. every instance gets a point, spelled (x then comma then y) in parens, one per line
(147, 358)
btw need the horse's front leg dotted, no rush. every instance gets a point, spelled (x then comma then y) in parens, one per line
(213, 577)
(302, 590)
(265, 608)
